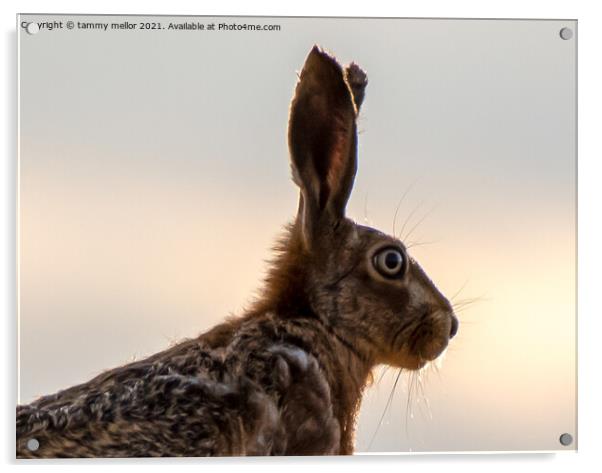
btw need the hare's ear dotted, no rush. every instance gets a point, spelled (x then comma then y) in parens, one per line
(323, 139)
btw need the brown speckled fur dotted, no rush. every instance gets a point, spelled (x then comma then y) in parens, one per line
(285, 378)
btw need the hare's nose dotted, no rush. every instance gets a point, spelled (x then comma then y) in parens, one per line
(454, 326)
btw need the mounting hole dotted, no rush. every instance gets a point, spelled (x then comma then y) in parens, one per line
(566, 439)
(566, 33)
(32, 28)
(33, 445)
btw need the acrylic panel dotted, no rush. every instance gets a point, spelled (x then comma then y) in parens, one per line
(155, 179)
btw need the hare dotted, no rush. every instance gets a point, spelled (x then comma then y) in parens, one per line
(286, 377)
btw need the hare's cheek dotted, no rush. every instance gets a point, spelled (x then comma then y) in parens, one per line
(388, 296)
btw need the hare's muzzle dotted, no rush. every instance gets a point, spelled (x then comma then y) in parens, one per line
(432, 335)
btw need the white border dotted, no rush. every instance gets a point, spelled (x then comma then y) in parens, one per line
(590, 154)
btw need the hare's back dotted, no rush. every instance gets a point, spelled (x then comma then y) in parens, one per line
(174, 403)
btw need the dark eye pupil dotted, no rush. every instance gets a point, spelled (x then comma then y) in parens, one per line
(392, 259)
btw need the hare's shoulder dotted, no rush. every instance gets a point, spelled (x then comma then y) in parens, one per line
(279, 356)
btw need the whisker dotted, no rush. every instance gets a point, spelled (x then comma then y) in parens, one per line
(424, 217)
(409, 403)
(471, 299)
(366, 220)
(421, 375)
(462, 310)
(420, 243)
(463, 317)
(462, 306)
(457, 293)
(459, 310)
(382, 375)
(399, 204)
(408, 218)
(436, 369)
(467, 302)
(387, 405)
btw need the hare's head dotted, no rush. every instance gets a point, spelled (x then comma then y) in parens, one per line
(360, 282)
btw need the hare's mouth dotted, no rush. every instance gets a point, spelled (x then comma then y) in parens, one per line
(432, 336)
(427, 341)
(414, 359)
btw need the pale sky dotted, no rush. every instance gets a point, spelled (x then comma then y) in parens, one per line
(154, 178)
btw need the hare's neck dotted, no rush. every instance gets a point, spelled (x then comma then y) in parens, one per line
(348, 391)
(347, 370)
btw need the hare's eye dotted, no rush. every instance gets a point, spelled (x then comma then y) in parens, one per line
(389, 262)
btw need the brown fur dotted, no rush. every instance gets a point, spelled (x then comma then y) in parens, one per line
(285, 378)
